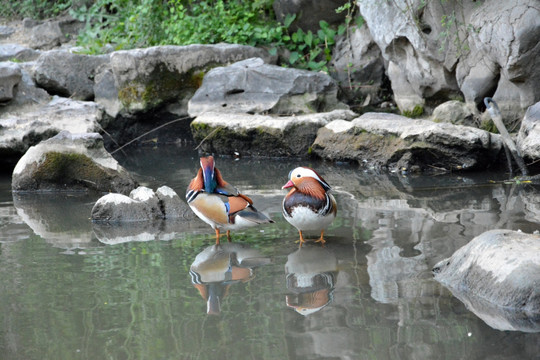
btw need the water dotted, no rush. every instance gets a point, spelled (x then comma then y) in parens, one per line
(69, 290)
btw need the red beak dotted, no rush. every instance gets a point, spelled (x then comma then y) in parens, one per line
(289, 184)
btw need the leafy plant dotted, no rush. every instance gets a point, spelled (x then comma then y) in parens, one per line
(36, 9)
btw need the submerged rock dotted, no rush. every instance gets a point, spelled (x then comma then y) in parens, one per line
(389, 140)
(501, 267)
(142, 204)
(261, 135)
(70, 162)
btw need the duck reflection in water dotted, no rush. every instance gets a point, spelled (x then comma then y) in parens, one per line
(217, 267)
(311, 274)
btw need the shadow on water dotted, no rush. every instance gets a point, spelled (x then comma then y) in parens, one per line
(145, 290)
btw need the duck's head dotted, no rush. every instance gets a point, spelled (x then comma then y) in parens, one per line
(302, 174)
(209, 175)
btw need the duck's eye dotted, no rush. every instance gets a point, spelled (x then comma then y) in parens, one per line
(298, 175)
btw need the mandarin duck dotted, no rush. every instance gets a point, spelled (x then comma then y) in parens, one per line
(220, 204)
(308, 206)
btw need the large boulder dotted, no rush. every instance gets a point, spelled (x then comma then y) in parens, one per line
(156, 77)
(261, 135)
(251, 86)
(501, 267)
(66, 74)
(394, 141)
(70, 162)
(52, 33)
(19, 129)
(439, 50)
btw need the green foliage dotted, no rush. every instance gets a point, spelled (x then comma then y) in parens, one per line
(414, 113)
(36, 9)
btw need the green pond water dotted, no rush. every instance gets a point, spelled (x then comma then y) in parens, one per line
(73, 290)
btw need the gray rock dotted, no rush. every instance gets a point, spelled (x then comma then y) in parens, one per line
(172, 206)
(6, 31)
(528, 140)
(10, 76)
(487, 46)
(147, 79)
(120, 208)
(358, 66)
(251, 86)
(261, 135)
(142, 204)
(454, 112)
(70, 162)
(148, 197)
(20, 130)
(388, 140)
(66, 74)
(17, 52)
(501, 267)
(28, 96)
(46, 36)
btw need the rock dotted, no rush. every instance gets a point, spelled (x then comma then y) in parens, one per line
(28, 96)
(358, 66)
(66, 74)
(11, 52)
(70, 162)
(486, 46)
(172, 206)
(261, 135)
(52, 33)
(20, 130)
(10, 76)
(501, 267)
(155, 77)
(148, 197)
(6, 31)
(120, 208)
(528, 139)
(454, 112)
(46, 36)
(251, 86)
(142, 204)
(397, 142)
(309, 13)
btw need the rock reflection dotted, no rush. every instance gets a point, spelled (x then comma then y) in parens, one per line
(498, 317)
(60, 219)
(217, 267)
(311, 274)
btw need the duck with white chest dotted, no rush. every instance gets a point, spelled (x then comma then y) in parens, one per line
(309, 205)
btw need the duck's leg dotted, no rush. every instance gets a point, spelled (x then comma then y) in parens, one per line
(229, 235)
(321, 239)
(302, 241)
(217, 236)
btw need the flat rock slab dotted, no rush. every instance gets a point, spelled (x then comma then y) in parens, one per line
(501, 267)
(387, 140)
(261, 135)
(70, 162)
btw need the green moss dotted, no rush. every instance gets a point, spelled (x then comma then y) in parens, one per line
(414, 113)
(65, 167)
(310, 150)
(489, 125)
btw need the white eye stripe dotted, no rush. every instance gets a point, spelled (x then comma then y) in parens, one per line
(304, 172)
